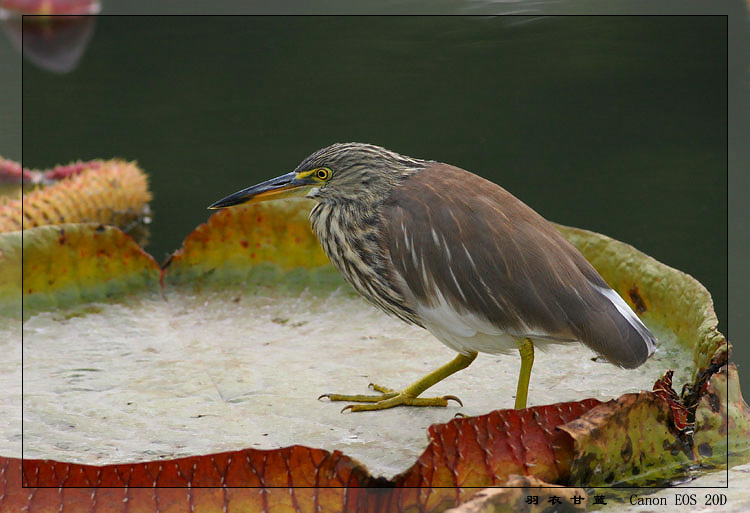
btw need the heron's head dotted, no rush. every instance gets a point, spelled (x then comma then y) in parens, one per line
(340, 172)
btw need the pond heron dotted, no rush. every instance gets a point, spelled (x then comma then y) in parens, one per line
(458, 255)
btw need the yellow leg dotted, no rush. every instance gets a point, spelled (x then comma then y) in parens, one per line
(526, 348)
(407, 397)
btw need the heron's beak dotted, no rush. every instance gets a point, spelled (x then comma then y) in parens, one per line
(283, 186)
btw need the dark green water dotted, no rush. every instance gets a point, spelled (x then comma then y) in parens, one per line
(615, 124)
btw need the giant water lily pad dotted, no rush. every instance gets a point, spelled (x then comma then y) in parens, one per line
(113, 192)
(237, 241)
(240, 346)
(65, 264)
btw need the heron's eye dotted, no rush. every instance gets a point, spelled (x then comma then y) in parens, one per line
(323, 173)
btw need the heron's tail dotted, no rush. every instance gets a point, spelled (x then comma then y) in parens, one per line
(635, 342)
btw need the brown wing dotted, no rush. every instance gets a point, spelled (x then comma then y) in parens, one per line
(489, 254)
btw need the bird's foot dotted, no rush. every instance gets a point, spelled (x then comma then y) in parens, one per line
(388, 398)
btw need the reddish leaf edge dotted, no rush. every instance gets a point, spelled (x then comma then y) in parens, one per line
(234, 468)
(12, 172)
(330, 469)
(23, 483)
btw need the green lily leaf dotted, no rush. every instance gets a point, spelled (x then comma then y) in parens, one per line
(67, 264)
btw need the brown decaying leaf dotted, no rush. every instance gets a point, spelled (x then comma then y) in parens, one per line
(680, 413)
(630, 441)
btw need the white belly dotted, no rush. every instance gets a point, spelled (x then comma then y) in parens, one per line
(467, 332)
(500, 343)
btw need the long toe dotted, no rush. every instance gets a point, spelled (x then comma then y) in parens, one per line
(360, 398)
(382, 389)
(402, 399)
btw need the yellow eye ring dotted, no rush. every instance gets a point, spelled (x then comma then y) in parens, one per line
(322, 173)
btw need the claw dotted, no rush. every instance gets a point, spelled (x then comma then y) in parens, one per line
(323, 395)
(347, 407)
(449, 397)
